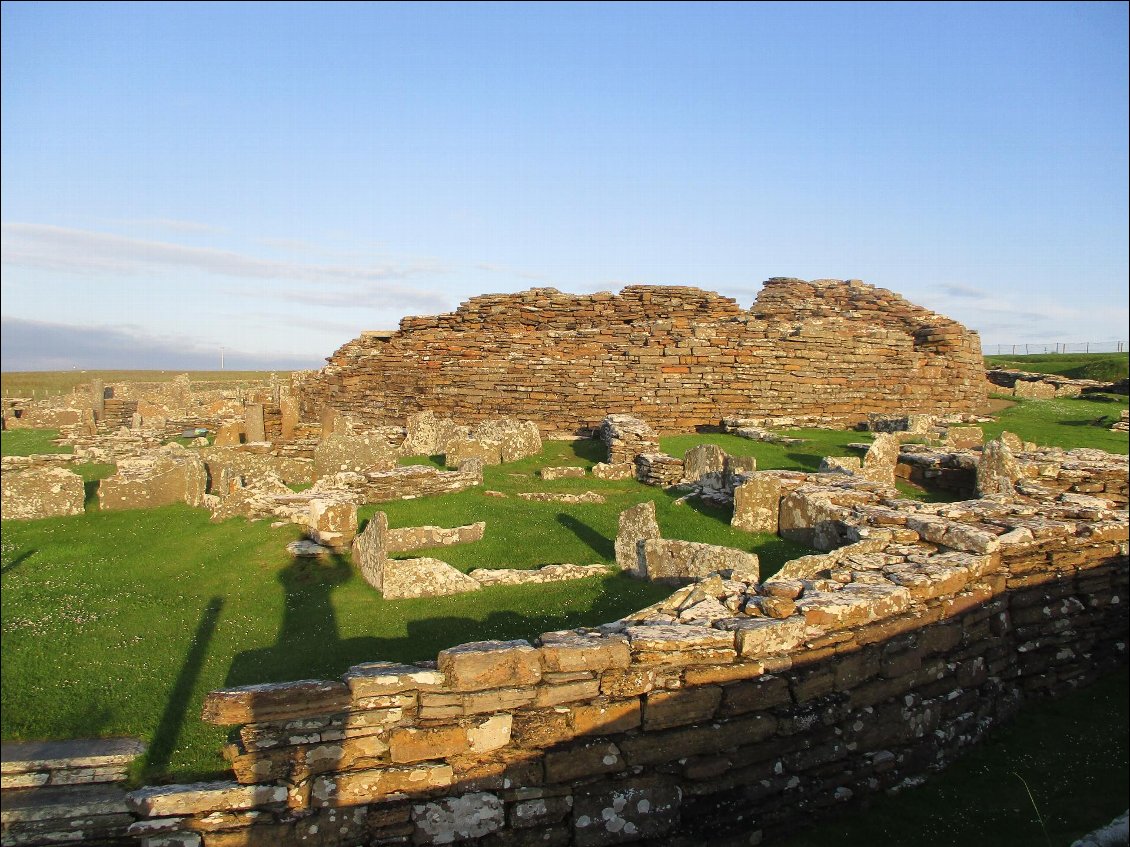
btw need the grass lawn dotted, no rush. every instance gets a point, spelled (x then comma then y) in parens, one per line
(1065, 422)
(1105, 367)
(30, 442)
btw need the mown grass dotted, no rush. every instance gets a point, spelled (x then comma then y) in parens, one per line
(1071, 752)
(46, 383)
(1065, 422)
(30, 442)
(1105, 367)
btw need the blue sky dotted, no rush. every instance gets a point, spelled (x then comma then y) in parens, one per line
(273, 179)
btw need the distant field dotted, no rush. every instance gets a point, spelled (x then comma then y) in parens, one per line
(1100, 366)
(23, 383)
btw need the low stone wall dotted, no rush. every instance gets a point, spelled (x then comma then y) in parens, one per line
(879, 663)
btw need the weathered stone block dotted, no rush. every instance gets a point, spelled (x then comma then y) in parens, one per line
(757, 502)
(458, 818)
(583, 760)
(338, 452)
(408, 744)
(356, 787)
(41, 493)
(274, 701)
(628, 812)
(665, 709)
(670, 559)
(606, 717)
(768, 637)
(373, 679)
(568, 651)
(490, 664)
(198, 797)
(332, 523)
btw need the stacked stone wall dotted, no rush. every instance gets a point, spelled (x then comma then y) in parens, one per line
(642, 731)
(678, 357)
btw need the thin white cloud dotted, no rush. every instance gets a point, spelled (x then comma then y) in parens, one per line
(968, 292)
(85, 252)
(28, 345)
(170, 224)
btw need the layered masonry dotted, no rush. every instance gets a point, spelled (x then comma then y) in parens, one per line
(733, 708)
(679, 357)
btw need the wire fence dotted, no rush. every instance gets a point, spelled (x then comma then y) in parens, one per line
(1054, 347)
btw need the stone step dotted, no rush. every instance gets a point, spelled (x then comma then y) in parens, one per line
(28, 764)
(73, 814)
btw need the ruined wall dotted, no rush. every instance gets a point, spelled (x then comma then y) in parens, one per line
(677, 357)
(677, 733)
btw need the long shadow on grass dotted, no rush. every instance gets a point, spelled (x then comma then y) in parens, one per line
(176, 708)
(19, 560)
(592, 449)
(310, 645)
(599, 544)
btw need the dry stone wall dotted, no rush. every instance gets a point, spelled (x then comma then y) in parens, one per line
(678, 357)
(730, 711)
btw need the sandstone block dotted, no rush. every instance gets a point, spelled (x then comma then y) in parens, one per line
(852, 606)
(665, 709)
(41, 493)
(702, 460)
(370, 550)
(490, 664)
(583, 760)
(373, 679)
(357, 787)
(562, 473)
(341, 452)
(568, 651)
(198, 797)
(424, 577)
(628, 812)
(332, 523)
(622, 470)
(768, 637)
(606, 717)
(757, 503)
(407, 744)
(274, 701)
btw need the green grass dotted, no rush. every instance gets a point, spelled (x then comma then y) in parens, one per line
(118, 623)
(1105, 367)
(1071, 752)
(1065, 422)
(43, 383)
(818, 443)
(30, 442)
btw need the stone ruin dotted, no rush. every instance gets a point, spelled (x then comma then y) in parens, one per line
(730, 711)
(679, 357)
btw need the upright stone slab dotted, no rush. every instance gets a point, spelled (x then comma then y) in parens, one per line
(702, 460)
(881, 459)
(636, 525)
(370, 550)
(254, 424)
(757, 503)
(98, 398)
(229, 434)
(353, 454)
(997, 470)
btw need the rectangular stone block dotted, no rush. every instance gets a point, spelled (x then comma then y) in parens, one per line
(418, 745)
(568, 651)
(665, 709)
(606, 717)
(358, 787)
(274, 701)
(490, 664)
(378, 678)
(201, 797)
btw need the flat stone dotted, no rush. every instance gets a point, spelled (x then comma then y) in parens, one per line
(490, 664)
(198, 797)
